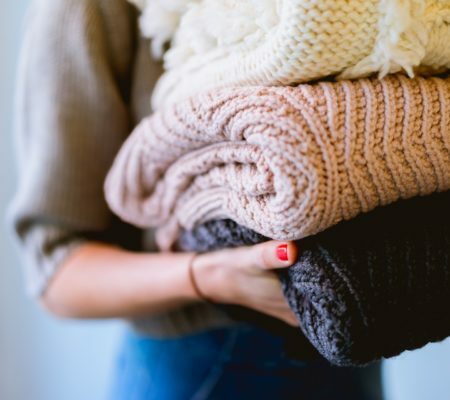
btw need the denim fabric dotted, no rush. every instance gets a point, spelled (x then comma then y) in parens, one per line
(241, 362)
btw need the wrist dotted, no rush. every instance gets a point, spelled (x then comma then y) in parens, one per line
(208, 278)
(193, 279)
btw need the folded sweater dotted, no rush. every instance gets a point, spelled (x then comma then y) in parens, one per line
(223, 43)
(285, 162)
(367, 288)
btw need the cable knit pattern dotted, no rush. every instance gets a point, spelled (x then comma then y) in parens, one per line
(367, 288)
(223, 43)
(285, 162)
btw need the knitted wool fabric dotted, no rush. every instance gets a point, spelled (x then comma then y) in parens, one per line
(223, 43)
(367, 288)
(284, 162)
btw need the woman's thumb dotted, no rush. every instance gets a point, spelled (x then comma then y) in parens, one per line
(273, 254)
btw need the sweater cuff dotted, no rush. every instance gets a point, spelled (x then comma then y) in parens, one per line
(44, 248)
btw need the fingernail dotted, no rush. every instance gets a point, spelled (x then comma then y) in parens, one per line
(282, 252)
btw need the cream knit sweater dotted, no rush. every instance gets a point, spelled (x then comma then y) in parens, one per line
(285, 162)
(223, 43)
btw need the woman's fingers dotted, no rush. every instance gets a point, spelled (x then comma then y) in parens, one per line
(284, 314)
(274, 255)
(290, 319)
(244, 276)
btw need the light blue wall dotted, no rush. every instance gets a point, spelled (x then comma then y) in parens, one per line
(40, 358)
(419, 375)
(45, 359)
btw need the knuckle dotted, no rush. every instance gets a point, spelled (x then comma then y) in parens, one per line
(263, 259)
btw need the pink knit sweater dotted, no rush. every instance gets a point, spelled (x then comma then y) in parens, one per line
(286, 162)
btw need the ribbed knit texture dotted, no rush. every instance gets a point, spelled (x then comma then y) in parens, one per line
(222, 43)
(367, 288)
(286, 162)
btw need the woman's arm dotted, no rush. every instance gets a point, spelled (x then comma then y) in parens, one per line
(104, 281)
(73, 115)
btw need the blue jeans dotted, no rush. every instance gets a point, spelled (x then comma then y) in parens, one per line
(235, 363)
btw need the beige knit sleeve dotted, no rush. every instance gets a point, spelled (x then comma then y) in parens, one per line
(72, 115)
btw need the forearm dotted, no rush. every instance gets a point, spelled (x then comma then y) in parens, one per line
(104, 281)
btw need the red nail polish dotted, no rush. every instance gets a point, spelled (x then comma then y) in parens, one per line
(282, 252)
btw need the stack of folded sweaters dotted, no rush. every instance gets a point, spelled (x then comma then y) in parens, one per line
(358, 171)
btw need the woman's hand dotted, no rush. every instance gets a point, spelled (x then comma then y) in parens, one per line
(244, 276)
(103, 281)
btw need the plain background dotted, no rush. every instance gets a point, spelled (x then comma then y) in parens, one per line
(45, 359)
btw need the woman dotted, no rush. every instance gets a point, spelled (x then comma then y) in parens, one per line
(85, 81)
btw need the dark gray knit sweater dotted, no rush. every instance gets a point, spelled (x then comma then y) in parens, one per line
(368, 288)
